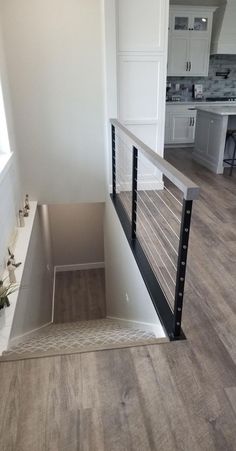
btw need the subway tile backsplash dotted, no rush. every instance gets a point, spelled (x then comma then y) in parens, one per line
(212, 85)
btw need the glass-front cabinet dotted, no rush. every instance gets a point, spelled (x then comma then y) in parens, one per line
(181, 23)
(189, 40)
(200, 24)
(190, 22)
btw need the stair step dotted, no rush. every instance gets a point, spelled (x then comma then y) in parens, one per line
(81, 336)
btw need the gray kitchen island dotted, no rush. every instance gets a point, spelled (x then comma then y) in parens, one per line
(211, 129)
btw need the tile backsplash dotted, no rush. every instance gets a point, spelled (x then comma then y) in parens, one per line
(212, 85)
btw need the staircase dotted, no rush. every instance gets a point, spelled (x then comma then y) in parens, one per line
(77, 337)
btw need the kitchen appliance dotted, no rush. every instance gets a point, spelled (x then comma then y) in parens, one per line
(197, 91)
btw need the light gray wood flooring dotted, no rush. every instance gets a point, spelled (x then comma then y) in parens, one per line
(175, 396)
(79, 296)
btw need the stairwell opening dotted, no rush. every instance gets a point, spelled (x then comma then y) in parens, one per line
(99, 298)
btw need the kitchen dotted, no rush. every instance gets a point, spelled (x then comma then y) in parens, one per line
(201, 82)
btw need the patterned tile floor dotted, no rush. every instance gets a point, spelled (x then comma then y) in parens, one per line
(82, 336)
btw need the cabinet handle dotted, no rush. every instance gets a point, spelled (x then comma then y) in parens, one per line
(193, 121)
(187, 66)
(190, 66)
(190, 122)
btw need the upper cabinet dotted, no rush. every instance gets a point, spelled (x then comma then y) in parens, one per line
(185, 22)
(142, 26)
(189, 41)
(142, 33)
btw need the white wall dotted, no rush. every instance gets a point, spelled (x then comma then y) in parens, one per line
(34, 304)
(54, 52)
(8, 212)
(35, 299)
(77, 233)
(10, 194)
(123, 276)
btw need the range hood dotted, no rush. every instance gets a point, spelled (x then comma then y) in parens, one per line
(224, 29)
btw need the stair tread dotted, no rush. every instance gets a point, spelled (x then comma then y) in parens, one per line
(80, 336)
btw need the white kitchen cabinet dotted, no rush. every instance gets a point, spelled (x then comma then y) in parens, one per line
(186, 18)
(189, 41)
(200, 57)
(182, 122)
(141, 39)
(210, 140)
(178, 55)
(214, 136)
(180, 125)
(182, 128)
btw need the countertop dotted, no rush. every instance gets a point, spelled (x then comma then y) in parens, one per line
(200, 102)
(220, 110)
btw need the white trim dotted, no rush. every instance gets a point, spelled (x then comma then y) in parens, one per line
(178, 145)
(53, 292)
(79, 266)
(157, 329)
(150, 185)
(16, 340)
(213, 166)
(193, 8)
(143, 185)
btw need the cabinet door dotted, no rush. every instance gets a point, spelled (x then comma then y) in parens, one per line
(202, 139)
(215, 130)
(182, 128)
(141, 28)
(178, 55)
(180, 23)
(201, 23)
(198, 56)
(168, 128)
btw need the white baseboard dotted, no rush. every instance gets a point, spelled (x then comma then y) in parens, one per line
(17, 340)
(179, 145)
(211, 165)
(156, 328)
(79, 266)
(152, 185)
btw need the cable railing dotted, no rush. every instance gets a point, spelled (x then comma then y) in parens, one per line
(154, 203)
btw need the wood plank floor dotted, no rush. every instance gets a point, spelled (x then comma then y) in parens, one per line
(175, 396)
(79, 296)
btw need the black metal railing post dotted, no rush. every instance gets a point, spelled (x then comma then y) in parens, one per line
(181, 266)
(113, 141)
(134, 192)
